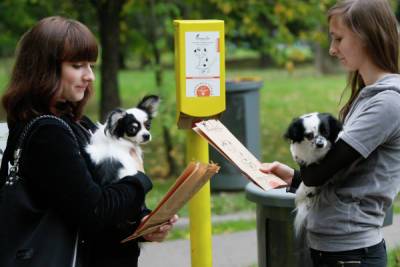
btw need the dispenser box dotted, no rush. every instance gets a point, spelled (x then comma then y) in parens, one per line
(200, 70)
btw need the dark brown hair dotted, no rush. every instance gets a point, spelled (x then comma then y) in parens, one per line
(35, 79)
(374, 22)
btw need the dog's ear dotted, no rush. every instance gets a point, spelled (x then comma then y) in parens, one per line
(335, 127)
(150, 104)
(112, 121)
(295, 131)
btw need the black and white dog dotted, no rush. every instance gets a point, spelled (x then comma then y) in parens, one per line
(311, 136)
(124, 130)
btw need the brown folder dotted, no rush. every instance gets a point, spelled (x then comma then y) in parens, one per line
(185, 187)
(234, 151)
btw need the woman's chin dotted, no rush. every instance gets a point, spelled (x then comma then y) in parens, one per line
(77, 98)
(347, 67)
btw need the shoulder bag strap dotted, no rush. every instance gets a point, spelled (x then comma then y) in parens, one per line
(14, 168)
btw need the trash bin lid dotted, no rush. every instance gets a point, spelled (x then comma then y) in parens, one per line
(271, 198)
(233, 86)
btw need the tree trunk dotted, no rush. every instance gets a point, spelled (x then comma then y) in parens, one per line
(144, 61)
(172, 169)
(324, 63)
(153, 37)
(265, 60)
(108, 13)
(168, 146)
(122, 61)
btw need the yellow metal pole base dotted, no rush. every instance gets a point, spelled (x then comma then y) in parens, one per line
(199, 207)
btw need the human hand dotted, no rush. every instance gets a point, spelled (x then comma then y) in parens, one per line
(137, 160)
(279, 169)
(161, 233)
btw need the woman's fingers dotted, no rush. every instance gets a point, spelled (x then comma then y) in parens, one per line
(162, 232)
(269, 167)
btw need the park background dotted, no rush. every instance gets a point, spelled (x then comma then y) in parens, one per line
(284, 43)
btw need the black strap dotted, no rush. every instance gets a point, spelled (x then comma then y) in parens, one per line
(14, 169)
(32, 122)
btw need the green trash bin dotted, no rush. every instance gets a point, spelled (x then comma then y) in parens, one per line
(277, 244)
(242, 118)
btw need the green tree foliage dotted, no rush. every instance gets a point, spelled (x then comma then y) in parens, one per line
(17, 16)
(397, 8)
(15, 19)
(147, 26)
(271, 27)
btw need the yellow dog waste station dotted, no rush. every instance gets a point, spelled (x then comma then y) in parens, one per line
(200, 94)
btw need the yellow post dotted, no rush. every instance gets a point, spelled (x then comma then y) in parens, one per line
(199, 207)
(200, 94)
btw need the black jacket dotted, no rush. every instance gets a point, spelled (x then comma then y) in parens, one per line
(59, 176)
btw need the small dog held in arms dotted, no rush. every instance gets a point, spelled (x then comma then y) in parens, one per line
(311, 137)
(111, 144)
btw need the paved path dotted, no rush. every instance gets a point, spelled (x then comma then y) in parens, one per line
(229, 250)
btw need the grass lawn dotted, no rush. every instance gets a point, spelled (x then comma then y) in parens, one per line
(219, 228)
(396, 205)
(394, 258)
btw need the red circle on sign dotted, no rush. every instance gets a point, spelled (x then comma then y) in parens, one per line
(203, 90)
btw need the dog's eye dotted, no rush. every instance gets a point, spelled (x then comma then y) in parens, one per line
(309, 136)
(147, 124)
(132, 128)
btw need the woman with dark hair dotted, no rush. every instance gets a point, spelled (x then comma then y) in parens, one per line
(35, 81)
(66, 219)
(360, 176)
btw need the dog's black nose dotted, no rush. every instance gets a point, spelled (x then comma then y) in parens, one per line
(319, 145)
(146, 137)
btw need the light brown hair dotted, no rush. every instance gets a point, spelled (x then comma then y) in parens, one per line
(375, 24)
(36, 76)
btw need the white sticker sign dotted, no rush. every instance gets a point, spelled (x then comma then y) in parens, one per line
(202, 64)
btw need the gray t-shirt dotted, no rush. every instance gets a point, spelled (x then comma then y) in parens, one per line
(351, 207)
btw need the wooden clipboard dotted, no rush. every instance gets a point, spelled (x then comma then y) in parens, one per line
(234, 151)
(195, 175)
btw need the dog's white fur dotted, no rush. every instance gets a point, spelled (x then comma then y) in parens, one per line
(310, 149)
(104, 144)
(307, 152)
